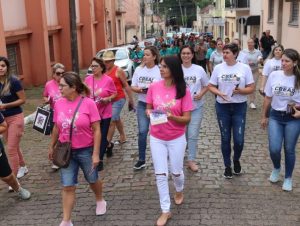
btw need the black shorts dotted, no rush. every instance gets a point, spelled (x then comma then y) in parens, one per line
(5, 169)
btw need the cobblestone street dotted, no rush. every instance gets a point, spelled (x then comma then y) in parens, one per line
(249, 199)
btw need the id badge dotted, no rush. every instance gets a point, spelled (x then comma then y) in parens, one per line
(158, 117)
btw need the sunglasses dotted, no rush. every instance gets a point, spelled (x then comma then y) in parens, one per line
(59, 73)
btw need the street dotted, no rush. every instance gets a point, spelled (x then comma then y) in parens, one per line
(248, 199)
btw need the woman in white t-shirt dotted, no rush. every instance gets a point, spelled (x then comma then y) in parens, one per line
(141, 80)
(196, 80)
(234, 81)
(217, 56)
(272, 64)
(169, 106)
(282, 92)
(254, 57)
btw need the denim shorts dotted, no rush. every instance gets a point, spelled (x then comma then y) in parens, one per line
(117, 108)
(79, 158)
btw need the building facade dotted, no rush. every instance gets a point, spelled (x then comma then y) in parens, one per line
(34, 34)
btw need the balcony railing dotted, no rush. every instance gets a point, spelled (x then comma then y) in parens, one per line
(238, 4)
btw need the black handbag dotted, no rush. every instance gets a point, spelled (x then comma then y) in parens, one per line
(62, 150)
(43, 121)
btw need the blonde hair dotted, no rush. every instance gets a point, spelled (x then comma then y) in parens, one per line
(57, 66)
(8, 76)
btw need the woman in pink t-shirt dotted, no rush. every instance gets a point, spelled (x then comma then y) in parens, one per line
(51, 93)
(102, 91)
(85, 141)
(169, 106)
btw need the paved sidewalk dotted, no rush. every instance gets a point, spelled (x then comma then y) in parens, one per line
(132, 197)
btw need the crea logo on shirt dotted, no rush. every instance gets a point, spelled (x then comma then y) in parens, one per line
(284, 91)
(277, 68)
(146, 79)
(189, 80)
(230, 78)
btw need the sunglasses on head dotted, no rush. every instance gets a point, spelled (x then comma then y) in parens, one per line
(59, 73)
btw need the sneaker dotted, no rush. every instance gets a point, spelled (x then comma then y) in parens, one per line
(101, 207)
(192, 166)
(22, 172)
(139, 165)
(109, 152)
(163, 219)
(55, 167)
(228, 172)
(252, 106)
(100, 166)
(66, 223)
(274, 177)
(10, 189)
(237, 169)
(23, 193)
(287, 184)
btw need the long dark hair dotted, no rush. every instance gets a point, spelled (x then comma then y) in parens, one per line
(191, 49)
(294, 56)
(74, 81)
(174, 65)
(8, 76)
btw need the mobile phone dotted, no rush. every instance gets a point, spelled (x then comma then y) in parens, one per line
(145, 90)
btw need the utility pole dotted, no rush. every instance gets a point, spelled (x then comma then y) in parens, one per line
(182, 22)
(142, 5)
(73, 31)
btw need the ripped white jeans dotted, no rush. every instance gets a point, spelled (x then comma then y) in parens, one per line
(165, 155)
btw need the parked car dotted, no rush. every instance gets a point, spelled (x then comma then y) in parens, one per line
(122, 59)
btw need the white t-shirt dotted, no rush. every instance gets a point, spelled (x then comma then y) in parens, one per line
(227, 78)
(253, 58)
(271, 65)
(216, 58)
(242, 58)
(143, 77)
(281, 88)
(195, 78)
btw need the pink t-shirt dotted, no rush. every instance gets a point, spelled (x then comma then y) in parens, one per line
(82, 135)
(52, 92)
(100, 88)
(163, 98)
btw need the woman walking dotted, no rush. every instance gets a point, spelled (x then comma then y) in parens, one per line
(85, 142)
(102, 92)
(52, 94)
(282, 94)
(196, 80)
(169, 106)
(217, 56)
(234, 81)
(141, 81)
(12, 96)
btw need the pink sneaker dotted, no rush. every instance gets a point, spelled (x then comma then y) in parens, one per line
(66, 223)
(101, 207)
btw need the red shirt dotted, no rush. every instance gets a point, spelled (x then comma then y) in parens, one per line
(117, 82)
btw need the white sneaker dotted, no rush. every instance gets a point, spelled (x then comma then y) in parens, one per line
(24, 194)
(22, 172)
(55, 167)
(252, 106)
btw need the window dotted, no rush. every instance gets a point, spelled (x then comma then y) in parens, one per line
(226, 28)
(14, 57)
(271, 10)
(294, 13)
(109, 32)
(51, 48)
(120, 30)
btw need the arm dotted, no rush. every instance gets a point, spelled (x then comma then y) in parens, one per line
(263, 83)
(136, 89)
(97, 140)
(297, 113)
(266, 107)
(201, 94)
(247, 90)
(184, 119)
(3, 127)
(54, 139)
(212, 88)
(122, 77)
(16, 103)
(108, 99)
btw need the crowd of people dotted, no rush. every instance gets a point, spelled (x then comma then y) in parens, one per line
(171, 80)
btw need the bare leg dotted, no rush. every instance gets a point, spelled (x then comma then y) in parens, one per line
(111, 132)
(11, 181)
(120, 128)
(97, 189)
(68, 198)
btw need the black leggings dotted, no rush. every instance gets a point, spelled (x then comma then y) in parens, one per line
(5, 169)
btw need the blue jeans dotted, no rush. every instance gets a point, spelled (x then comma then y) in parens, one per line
(143, 125)
(192, 132)
(82, 158)
(104, 126)
(231, 117)
(117, 107)
(283, 129)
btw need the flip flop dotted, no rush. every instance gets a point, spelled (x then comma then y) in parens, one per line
(120, 142)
